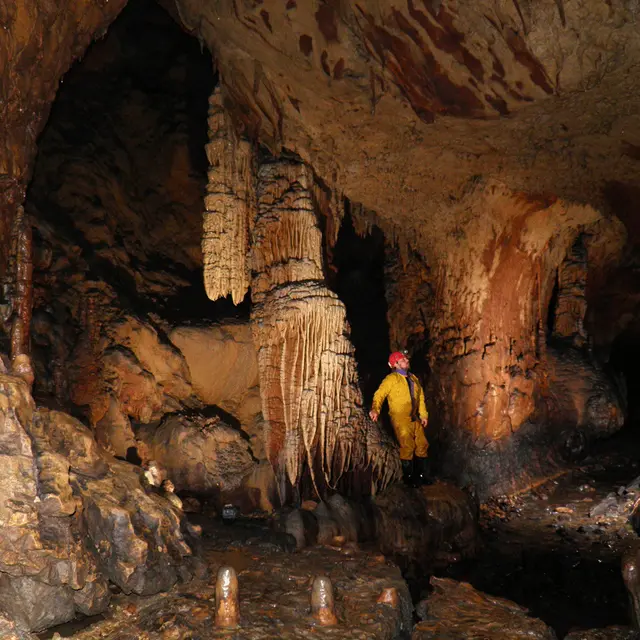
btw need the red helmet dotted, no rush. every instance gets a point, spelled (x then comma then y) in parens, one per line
(395, 357)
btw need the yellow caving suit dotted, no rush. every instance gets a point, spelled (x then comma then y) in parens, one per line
(395, 389)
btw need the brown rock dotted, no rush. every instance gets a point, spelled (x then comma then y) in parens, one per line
(199, 454)
(63, 434)
(389, 597)
(457, 610)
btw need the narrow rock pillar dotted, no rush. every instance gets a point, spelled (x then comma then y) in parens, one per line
(21, 295)
(227, 601)
(323, 607)
(230, 207)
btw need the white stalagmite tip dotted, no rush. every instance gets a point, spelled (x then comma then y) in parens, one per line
(322, 602)
(227, 602)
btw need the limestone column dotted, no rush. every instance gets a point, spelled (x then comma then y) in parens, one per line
(500, 396)
(309, 385)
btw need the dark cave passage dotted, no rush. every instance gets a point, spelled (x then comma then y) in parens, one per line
(119, 180)
(360, 283)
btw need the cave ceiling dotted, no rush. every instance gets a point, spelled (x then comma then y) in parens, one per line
(406, 107)
(403, 107)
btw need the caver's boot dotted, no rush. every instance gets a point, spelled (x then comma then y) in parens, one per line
(407, 472)
(421, 472)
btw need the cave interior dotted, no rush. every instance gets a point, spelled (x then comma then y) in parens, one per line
(218, 220)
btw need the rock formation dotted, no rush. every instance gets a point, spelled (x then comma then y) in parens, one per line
(433, 527)
(494, 145)
(200, 454)
(230, 207)
(74, 519)
(311, 398)
(311, 401)
(485, 318)
(457, 610)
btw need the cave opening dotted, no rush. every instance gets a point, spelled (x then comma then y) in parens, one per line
(359, 261)
(121, 170)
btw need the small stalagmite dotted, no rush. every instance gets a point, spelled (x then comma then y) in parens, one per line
(227, 601)
(323, 608)
(230, 207)
(390, 597)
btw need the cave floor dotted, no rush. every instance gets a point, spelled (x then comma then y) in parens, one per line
(558, 548)
(274, 585)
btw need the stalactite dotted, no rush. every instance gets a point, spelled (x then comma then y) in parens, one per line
(308, 380)
(571, 306)
(331, 206)
(229, 205)
(22, 263)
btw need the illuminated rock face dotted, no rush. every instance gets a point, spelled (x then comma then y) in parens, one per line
(484, 305)
(311, 398)
(73, 518)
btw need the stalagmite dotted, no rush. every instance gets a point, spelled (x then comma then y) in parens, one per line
(229, 207)
(308, 381)
(390, 597)
(322, 601)
(227, 603)
(22, 265)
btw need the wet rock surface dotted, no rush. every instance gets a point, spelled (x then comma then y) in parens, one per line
(610, 633)
(433, 525)
(558, 549)
(455, 611)
(275, 594)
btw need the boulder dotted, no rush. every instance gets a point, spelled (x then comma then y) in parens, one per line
(457, 611)
(9, 630)
(200, 454)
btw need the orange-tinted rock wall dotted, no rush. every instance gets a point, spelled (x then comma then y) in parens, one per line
(483, 307)
(41, 40)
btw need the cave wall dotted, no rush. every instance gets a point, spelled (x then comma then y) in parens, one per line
(505, 386)
(41, 41)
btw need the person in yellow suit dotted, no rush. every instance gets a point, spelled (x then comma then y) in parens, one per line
(409, 416)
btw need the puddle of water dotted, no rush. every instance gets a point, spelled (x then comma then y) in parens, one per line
(236, 558)
(68, 629)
